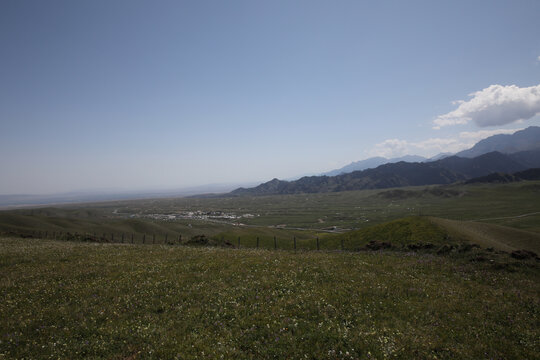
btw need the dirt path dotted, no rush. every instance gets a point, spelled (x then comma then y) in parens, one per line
(508, 217)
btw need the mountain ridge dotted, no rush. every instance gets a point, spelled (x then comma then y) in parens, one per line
(522, 140)
(373, 162)
(445, 171)
(499, 177)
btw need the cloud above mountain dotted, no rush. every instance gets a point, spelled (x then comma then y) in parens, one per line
(482, 134)
(391, 148)
(494, 105)
(397, 147)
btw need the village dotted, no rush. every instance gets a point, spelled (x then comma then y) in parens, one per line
(195, 215)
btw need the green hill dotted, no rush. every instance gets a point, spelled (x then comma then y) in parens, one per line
(402, 232)
(491, 235)
(433, 233)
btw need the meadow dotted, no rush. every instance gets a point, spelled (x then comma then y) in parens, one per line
(301, 215)
(357, 209)
(121, 301)
(437, 272)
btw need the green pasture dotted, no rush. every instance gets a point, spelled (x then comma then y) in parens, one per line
(74, 300)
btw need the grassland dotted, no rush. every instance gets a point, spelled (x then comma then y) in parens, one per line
(429, 294)
(490, 235)
(357, 209)
(497, 204)
(76, 300)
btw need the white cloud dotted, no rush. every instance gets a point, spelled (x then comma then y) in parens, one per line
(390, 147)
(434, 146)
(494, 105)
(482, 134)
(538, 58)
(396, 147)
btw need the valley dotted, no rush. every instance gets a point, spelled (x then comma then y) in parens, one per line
(434, 271)
(439, 271)
(304, 216)
(253, 180)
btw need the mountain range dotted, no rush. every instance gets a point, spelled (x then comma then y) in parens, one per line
(530, 174)
(522, 140)
(445, 170)
(373, 162)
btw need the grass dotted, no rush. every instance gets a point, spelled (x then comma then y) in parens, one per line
(491, 235)
(349, 210)
(413, 232)
(497, 204)
(358, 209)
(76, 300)
(528, 223)
(403, 232)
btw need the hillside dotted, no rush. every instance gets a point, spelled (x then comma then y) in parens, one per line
(491, 235)
(444, 171)
(435, 234)
(384, 176)
(498, 177)
(523, 140)
(405, 233)
(373, 162)
(481, 165)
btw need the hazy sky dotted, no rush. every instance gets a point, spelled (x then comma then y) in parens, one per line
(166, 94)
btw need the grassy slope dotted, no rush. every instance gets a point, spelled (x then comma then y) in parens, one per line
(491, 235)
(438, 232)
(401, 232)
(358, 209)
(56, 221)
(351, 209)
(72, 300)
(528, 223)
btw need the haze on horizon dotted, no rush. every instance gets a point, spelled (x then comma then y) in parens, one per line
(170, 94)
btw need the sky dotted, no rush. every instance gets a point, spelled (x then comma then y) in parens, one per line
(129, 94)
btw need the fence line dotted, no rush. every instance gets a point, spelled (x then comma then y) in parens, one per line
(140, 238)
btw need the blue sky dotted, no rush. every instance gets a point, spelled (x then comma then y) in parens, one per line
(166, 94)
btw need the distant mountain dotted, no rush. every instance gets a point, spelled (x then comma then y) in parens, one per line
(373, 162)
(408, 158)
(523, 140)
(530, 174)
(440, 156)
(530, 159)
(481, 165)
(384, 176)
(444, 171)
